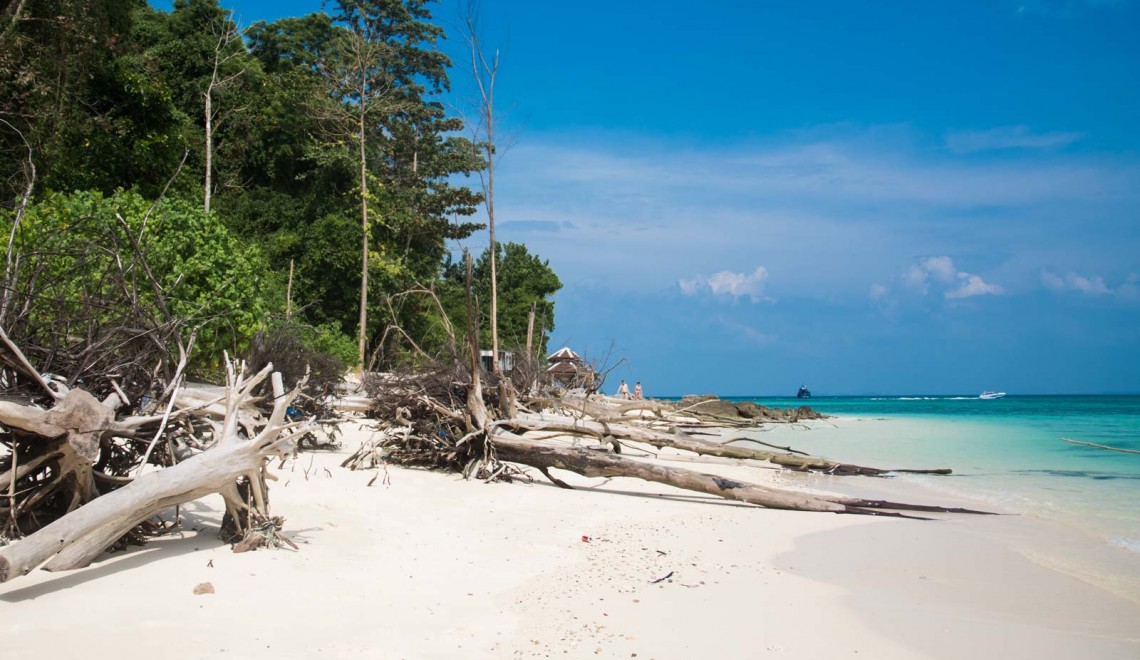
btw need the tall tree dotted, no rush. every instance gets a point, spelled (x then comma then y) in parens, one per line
(227, 49)
(381, 61)
(302, 194)
(484, 71)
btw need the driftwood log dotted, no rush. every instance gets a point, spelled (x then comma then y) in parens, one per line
(1096, 446)
(421, 428)
(678, 440)
(78, 538)
(545, 454)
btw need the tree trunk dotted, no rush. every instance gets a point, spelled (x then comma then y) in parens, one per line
(364, 227)
(494, 256)
(79, 537)
(530, 334)
(545, 454)
(210, 136)
(476, 410)
(661, 439)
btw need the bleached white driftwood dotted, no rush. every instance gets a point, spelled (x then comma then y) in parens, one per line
(79, 537)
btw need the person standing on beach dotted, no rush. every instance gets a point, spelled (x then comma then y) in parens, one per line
(637, 391)
(623, 391)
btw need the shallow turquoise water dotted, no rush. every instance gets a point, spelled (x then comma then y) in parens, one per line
(1008, 452)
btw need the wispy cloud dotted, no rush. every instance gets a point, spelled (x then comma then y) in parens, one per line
(828, 212)
(729, 285)
(813, 170)
(1007, 137)
(1093, 286)
(746, 332)
(878, 292)
(544, 226)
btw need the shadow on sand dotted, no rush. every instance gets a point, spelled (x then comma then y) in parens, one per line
(198, 531)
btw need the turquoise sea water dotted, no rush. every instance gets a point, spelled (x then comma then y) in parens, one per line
(1007, 452)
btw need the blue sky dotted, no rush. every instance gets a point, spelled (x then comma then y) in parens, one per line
(866, 197)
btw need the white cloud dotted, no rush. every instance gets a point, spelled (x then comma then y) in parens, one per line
(942, 268)
(954, 283)
(728, 283)
(1007, 137)
(1092, 286)
(690, 287)
(972, 285)
(915, 278)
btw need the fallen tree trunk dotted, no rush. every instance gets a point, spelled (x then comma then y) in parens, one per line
(78, 538)
(545, 454)
(685, 442)
(605, 409)
(1096, 446)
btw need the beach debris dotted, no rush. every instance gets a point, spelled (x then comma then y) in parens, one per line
(235, 467)
(663, 578)
(1096, 446)
(677, 439)
(554, 453)
(267, 534)
(204, 588)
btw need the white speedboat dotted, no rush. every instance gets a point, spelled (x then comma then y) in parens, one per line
(991, 395)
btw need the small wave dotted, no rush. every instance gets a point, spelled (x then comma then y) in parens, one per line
(931, 398)
(1132, 545)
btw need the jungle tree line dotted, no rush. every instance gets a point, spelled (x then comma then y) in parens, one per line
(282, 158)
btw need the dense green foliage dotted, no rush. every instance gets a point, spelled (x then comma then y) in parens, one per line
(524, 279)
(207, 277)
(109, 99)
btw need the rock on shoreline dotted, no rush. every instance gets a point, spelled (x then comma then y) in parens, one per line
(709, 404)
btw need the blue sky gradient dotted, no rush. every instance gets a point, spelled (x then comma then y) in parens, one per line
(866, 197)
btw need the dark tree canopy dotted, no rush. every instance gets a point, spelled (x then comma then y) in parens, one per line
(108, 98)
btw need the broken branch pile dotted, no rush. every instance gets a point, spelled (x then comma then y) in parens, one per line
(436, 422)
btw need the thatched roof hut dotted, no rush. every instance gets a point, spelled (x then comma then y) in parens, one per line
(568, 369)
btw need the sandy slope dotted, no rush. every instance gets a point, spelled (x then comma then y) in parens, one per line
(425, 565)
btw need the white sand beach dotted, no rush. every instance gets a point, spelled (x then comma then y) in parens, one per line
(426, 565)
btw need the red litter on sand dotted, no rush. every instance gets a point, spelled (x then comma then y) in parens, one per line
(585, 539)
